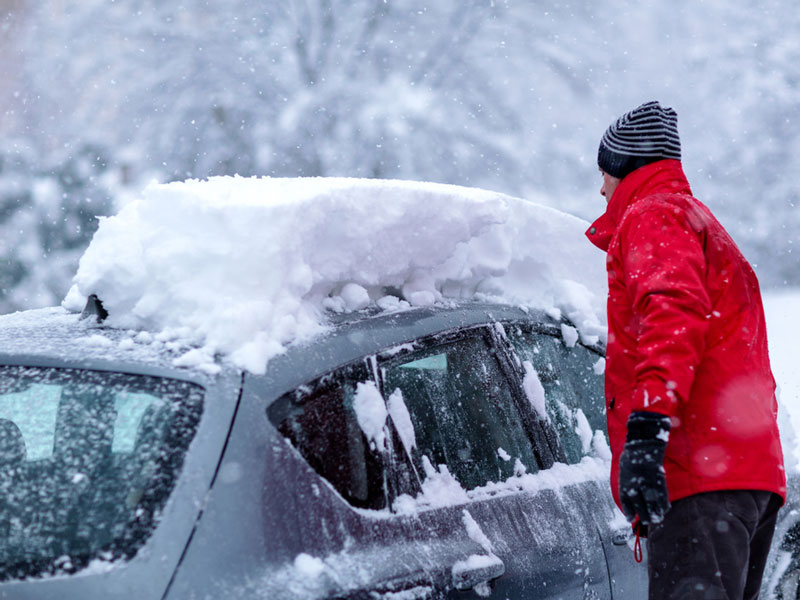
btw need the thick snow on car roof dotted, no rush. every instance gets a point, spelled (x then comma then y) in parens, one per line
(242, 267)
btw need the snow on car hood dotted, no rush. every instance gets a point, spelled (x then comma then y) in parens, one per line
(245, 266)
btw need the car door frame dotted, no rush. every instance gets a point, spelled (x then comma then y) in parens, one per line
(520, 508)
(627, 575)
(533, 425)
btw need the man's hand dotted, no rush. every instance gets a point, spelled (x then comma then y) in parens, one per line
(642, 481)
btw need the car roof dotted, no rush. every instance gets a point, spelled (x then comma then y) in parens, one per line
(55, 337)
(58, 338)
(356, 335)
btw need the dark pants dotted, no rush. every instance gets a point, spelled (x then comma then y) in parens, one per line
(712, 546)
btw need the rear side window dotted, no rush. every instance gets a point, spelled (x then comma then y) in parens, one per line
(87, 461)
(320, 421)
(572, 382)
(462, 412)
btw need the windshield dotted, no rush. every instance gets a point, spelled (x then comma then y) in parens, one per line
(87, 461)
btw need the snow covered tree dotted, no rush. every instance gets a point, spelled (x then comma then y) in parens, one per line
(502, 94)
(47, 218)
(322, 87)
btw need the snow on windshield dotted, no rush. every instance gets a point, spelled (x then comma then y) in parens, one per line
(243, 267)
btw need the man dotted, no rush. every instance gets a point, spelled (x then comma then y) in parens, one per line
(690, 395)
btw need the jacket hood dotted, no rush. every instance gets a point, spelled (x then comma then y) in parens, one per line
(663, 176)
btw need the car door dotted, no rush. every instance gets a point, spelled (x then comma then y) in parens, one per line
(422, 472)
(571, 378)
(480, 454)
(372, 543)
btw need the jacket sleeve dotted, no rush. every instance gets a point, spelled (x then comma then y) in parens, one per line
(664, 270)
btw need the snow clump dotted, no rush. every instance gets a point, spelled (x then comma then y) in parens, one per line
(371, 413)
(242, 267)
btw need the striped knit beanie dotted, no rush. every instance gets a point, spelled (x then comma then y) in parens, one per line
(646, 134)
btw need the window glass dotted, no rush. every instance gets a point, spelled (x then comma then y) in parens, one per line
(585, 370)
(87, 459)
(319, 420)
(34, 411)
(573, 386)
(462, 411)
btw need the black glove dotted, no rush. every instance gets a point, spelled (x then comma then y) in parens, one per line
(642, 480)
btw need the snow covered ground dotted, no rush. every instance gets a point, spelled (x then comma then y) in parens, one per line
(783, 328)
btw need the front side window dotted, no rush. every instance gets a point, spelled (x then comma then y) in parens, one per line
(87, 461)
(321, 422)
(571, 379)
(462, 412)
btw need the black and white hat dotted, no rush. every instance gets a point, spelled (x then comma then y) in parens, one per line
(646, 134)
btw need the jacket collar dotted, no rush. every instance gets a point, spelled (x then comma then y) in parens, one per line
(658, 177)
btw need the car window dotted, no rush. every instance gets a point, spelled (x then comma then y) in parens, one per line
(461, 412)
(572, 382)
(35, 409)
(320, 420)
(87, 460)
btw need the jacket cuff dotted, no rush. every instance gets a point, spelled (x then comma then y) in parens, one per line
(655, 396)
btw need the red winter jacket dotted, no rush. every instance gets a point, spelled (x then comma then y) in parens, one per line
(686, 338)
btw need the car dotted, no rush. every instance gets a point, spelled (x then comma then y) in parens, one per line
(319, 389)
(448, 451)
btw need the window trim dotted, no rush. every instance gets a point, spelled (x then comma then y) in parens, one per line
(392, 486)
(541, 435)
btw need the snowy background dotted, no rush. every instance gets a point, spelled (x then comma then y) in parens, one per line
(783, 331)
(99, 98)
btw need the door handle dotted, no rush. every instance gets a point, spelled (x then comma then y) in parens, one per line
(475, 570)
(621, 536)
